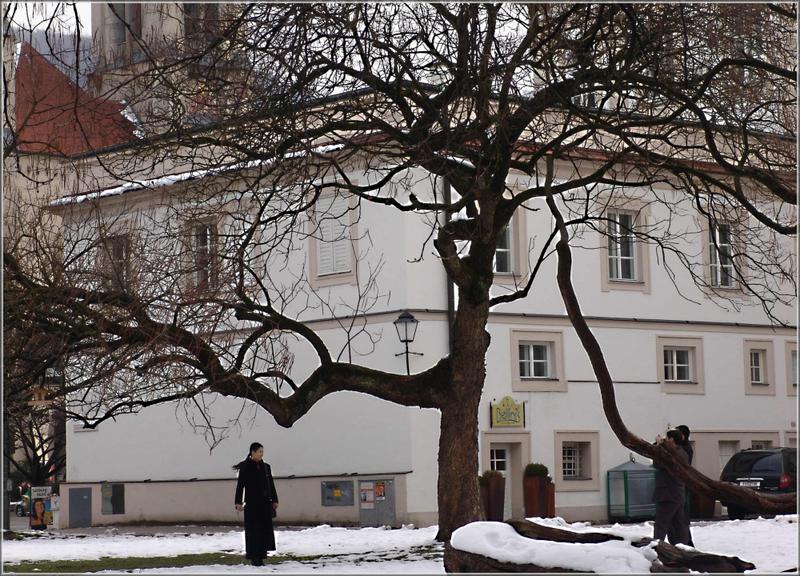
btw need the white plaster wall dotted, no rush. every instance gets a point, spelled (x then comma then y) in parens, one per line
(630, 352)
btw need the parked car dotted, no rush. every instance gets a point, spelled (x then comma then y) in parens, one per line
(772, 470)
(20, 507)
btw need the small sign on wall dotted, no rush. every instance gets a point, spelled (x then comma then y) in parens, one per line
(367, 497)
(507, 414)
(41, 507)
(337, 493)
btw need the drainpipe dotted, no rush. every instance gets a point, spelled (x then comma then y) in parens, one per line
(451, 296)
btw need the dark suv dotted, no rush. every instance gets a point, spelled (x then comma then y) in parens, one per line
(764, 470)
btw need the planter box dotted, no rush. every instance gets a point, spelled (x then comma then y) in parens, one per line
(493, 499)
(540, 497)
(701, 506)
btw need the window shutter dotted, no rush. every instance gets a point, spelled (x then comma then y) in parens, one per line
(333, 245)
(324, 251)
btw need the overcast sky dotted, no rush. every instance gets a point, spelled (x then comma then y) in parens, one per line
(36, 15)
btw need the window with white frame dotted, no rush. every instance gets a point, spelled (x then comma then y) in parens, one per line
(204, 241)
(574, 460)
(115, 260)
(677, 364)
(621, 246)
(757, 367)
(794, 368)
(721, 256)
(761, 444)
(334, 249)
(535, 360)
(498, 460)
(502, 253)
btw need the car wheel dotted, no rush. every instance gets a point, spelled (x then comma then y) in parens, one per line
(735, 513)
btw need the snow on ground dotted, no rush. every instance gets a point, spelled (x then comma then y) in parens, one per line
(770, 544)
(500, 541)
(320, 540)
(330, 567)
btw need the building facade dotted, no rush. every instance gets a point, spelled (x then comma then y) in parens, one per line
(679, 354)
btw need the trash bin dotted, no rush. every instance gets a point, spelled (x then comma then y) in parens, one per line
(630, 492)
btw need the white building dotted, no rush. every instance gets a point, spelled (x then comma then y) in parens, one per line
(677, 353)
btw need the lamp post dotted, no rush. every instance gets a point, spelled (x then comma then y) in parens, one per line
(406, 326)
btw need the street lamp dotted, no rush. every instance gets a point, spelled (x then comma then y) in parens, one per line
(406, 326)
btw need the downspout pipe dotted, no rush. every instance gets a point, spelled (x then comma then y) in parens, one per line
(451, 295)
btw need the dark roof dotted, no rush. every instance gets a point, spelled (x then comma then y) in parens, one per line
(55, 116)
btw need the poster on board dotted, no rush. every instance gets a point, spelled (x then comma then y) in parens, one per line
(41, 507)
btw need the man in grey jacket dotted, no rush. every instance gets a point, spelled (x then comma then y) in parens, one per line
(670, 497)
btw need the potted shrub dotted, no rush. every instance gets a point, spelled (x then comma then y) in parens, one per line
(493, 488)
(540, 493)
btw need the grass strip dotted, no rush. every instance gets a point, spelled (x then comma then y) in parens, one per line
(136, 562)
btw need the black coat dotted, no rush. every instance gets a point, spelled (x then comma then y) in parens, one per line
(668, 488)
(687, 447)
(255, 489)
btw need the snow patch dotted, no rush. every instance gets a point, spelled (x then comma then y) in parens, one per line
(500, 541)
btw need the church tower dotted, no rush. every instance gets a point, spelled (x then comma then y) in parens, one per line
(133, 41)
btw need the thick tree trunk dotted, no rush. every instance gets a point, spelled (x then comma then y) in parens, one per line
(459, 496)
(458, 491)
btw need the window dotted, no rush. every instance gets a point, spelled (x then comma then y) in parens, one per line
(576, 461)
(680, 365)
(790, 362)
(761, 444)
(125, 29)
(758, 376)
(205, 248)
(621, 247)
(201, 21)
(727, 448)
(498, 460)
(721, 256)
(113, 498)
(117, 23)
(332, 241)
(677, 367)
(510, 256)
(573, 460)
(502, 254)
(625, 260)
(589, 100)
(535, 360)
(115, 261)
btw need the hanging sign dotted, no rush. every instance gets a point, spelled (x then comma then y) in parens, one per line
(508, 414)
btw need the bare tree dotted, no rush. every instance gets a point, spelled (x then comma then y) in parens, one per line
(281, 110)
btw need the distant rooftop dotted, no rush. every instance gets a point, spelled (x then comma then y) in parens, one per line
(56, 116)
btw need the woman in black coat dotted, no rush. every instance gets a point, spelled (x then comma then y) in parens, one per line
(260, 503)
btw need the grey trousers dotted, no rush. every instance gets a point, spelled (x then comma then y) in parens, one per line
(671, 522)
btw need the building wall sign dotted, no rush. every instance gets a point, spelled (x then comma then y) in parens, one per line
(508, 414)
(339, 493)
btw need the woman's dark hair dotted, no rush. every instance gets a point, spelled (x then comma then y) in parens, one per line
(684, 429)
(253, 447)
(675, 435)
